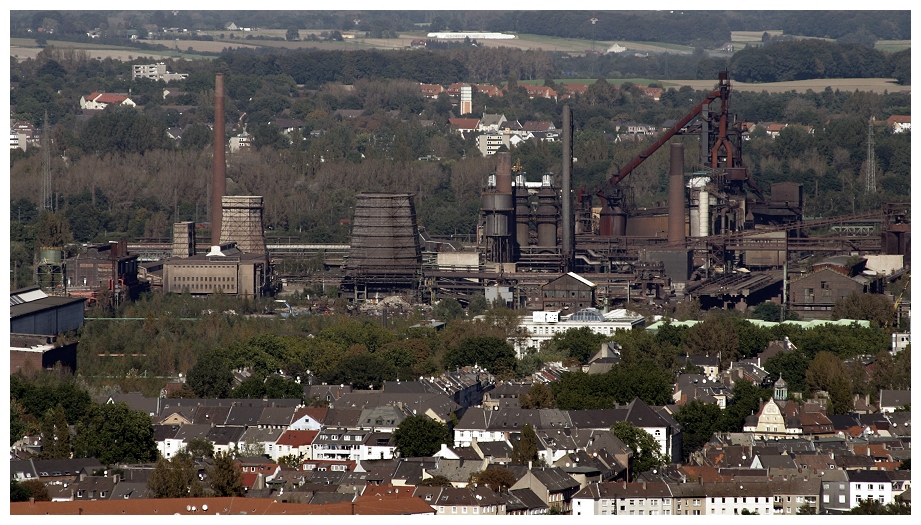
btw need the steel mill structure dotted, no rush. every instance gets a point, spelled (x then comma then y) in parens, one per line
(716, 237)
(385, 254)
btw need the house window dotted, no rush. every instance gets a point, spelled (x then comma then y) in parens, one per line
(476, 510)
(463, 510)
(453, 510)
(441, 510)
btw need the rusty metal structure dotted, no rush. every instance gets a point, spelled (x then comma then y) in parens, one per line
(385, 256)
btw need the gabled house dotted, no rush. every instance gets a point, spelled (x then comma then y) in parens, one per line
(308, 418)
(899, 123)
(225, 439)
(539, 91)
(97, 100)
(295, 443)
(265, 438)
(464, 125)
(553, 486)
(892, 400)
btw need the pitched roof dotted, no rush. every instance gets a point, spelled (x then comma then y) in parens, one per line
(297, 438)
(464, 123)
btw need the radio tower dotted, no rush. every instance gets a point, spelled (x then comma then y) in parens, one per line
(871, 160)
(46, 166)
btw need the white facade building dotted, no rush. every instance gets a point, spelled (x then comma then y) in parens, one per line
(544, 325)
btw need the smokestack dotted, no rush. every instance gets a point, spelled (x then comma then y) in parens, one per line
(566, 211)
(676, 195)
(218, 180)
(504, 172)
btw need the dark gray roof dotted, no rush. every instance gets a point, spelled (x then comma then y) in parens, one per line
(162, 432)
(523, 499)
(187, 432)
(210, 415)
(554, 478)
(277, 416)
(243, 416)
(225, 435)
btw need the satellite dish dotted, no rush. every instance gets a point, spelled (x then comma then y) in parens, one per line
(188, 508)
(204, 507)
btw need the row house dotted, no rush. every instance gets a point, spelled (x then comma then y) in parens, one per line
(298, 443)
(453, 501)
(481, 424)
(539, 91)
(552, 485)
(431, 90)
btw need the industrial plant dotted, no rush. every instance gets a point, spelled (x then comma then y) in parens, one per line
(542, 244)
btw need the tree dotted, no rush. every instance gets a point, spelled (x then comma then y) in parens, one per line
(579, 343)
(715, 336)
(55, 434)
(646, 452)
(492, 353)
(18, 492)
(211, 377)
(746, 400)
(792, 366)
(805, 508)
(872, 307)
(199, 447)
(226, 478)
(35, 489)
(175, 478)
(698, 422)
(114, 433)
(292, 34)
(499, 479)
(477, 305)
(420, 435)
(768, 311)
(524, 450)
(448, 310)
(538, 396)
(52, 229)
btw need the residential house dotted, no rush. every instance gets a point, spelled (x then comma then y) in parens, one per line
(488, 90)
(308, 418)
(491, 123)
(625, 499)
(899, 123)
(651, 92)
(225, 439)
(869, 485)
(431, 90)
(458, 471)
(892, 400)
(240, 141)
(339, 444)
(93, 488)
(835, 496)
(539, 91)
(378, 445)
(553, 486)
(490, 143)
(164, 436)
(264, 438)
(298, 443)
(464, 125)
(97, 100)
(524, 502)
(733, 497)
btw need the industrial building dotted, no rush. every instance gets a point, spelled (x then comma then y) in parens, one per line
(36, 321)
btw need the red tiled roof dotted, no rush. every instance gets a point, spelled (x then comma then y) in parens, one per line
(218, 506)
(297, 438)
(464, 123)
(902, 119)
(110, 98)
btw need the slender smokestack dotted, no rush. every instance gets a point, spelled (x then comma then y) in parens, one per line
(566, 211)
(218, 180)
(676, 195)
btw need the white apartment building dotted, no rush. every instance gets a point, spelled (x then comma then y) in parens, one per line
(543, 325)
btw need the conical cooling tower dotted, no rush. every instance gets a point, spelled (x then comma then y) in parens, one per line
(242, 222)
(385, 237)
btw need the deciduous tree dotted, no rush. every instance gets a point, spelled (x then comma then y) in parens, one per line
(499, 479)
(420, 435)
(225, 477)
(114, 433)
(524, 450)
(175, 478)
(646, 452)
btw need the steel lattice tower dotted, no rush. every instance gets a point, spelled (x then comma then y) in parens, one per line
(871, 160)
(47, 203)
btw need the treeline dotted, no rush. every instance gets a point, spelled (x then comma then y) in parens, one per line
(179, 333)
(813, 58)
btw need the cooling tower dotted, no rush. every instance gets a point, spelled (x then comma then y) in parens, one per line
(385, 237)
(183, 239)
(242, 222)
